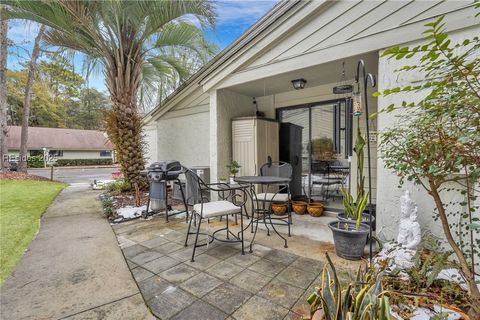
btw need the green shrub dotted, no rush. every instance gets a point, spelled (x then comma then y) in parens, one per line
(83, 162)
(107, 204)
(35, 162)
(118, 186)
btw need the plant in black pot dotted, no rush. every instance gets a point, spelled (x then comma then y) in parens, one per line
(349, 214)
(349, 233)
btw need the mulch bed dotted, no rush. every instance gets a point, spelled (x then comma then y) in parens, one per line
(123, 199)
(12, 175)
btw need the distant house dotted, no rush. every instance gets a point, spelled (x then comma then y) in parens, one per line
(62, 143)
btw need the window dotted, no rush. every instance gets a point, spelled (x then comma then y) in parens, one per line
(34, 153)
(55, 153)
(106, 153)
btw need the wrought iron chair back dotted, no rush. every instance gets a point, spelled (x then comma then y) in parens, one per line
(277, 169)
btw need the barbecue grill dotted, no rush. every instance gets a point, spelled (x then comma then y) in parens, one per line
(159, 173)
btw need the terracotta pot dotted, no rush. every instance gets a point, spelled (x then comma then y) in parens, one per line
(315, 209)
(299, 207)
(279, 208)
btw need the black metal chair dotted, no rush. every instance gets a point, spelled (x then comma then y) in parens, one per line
(282, 194)
(232, 201)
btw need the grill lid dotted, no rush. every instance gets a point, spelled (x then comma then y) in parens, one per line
(164, 166)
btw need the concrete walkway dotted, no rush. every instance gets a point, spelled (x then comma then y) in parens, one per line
(74, 268)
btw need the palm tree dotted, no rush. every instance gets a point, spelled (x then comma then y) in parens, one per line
(133, 41)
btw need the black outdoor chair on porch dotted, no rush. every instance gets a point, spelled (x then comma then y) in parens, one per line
(231, 201)
(280, 192)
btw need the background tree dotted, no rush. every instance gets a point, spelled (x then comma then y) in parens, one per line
(90, 111)
(436, 143)
(52, 109)
(3, 88)
(130, 39)
(45, 111)
(22, 163)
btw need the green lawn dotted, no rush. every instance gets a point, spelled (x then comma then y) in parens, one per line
(22, 203)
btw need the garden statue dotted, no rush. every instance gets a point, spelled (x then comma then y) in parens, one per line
(400, 253)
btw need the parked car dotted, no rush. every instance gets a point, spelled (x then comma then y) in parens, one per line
(13, 165)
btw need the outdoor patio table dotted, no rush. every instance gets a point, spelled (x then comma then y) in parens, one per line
(266, 181)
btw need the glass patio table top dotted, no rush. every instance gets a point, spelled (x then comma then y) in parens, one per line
(261, 180)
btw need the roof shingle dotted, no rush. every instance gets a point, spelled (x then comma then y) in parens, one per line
(59, 139)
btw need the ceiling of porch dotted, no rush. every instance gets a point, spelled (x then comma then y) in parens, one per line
(315, 76)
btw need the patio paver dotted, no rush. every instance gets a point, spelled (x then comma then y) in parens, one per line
(228, 297)
(169, 302)
(221, 283)
(201, 310)
(224, 270)
(297, 277)
(201, 284)
(145, 256)
(259, 308)
(243, 260)
(132, 251)
(179, 273)
(267, 267)
(281, 293)
(141, 274)
(203, 261)
(250, 280)
(160, 264)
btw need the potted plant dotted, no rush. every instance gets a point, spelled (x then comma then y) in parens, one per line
(233, 169)
(322, 149)
(349, 204)
(223, 179)
(349, 234)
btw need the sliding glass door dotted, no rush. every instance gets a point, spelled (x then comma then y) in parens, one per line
(325, 148)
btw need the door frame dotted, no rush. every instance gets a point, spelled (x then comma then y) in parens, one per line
(310, 105)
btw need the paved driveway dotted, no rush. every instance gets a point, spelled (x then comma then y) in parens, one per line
(76, 175)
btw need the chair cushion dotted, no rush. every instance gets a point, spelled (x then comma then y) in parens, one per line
(216, 208)
(281, 197)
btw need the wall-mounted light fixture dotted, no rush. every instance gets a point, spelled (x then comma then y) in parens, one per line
(299, 84)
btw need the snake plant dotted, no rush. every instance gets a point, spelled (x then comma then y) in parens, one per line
(354, 209)
(362, 300)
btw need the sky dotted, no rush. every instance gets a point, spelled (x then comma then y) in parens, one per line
(234, 17)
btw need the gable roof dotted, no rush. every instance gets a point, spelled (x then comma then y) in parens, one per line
(59, 139)
(315, 33)
(266, 21)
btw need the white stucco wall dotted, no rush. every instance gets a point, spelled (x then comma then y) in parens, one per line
(388, 199)
(185, 139)
(150, 132)
(181, 132)
(224, 106)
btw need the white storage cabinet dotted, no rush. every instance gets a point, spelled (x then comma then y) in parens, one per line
(254, 140)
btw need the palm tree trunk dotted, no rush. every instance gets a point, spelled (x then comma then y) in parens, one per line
(123, 123)
(22, 164)
(3, 91)
(124, 128)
